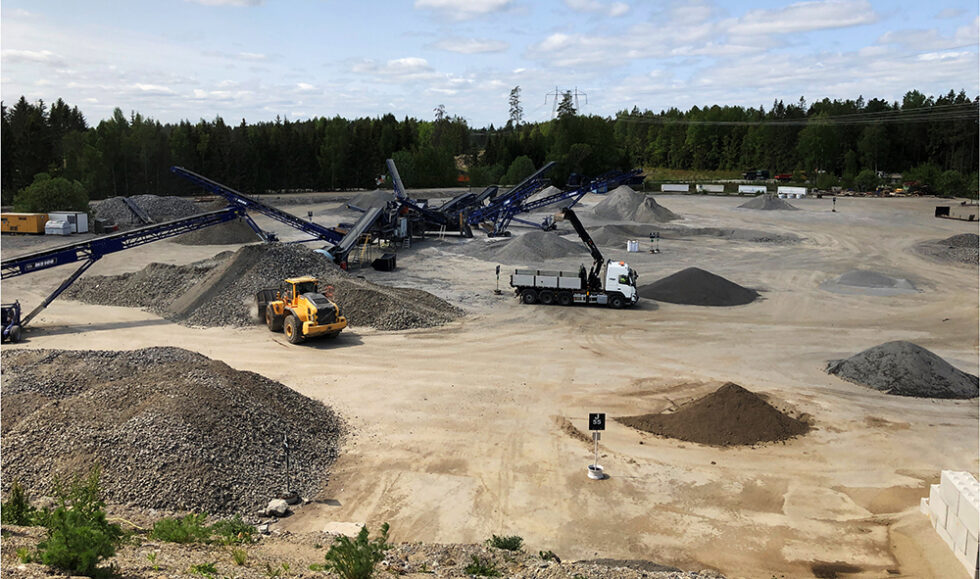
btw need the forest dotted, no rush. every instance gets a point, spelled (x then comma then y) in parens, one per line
(932, 140)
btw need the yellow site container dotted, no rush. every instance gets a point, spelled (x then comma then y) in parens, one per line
(23, 222)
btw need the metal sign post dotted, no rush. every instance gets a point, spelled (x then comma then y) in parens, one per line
(497, 291)
(597, 423)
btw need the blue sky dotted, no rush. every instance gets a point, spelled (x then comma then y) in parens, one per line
(256, 59)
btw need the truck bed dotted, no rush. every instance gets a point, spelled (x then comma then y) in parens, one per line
(546, 279)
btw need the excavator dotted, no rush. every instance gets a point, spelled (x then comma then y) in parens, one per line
(301, 311)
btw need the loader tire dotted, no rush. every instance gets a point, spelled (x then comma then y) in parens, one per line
(293, 330)
(273, 320)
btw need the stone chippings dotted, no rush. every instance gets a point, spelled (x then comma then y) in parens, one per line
(172, 429)
(697, 287)
(962, 248)
(625, 204)
(220, 291)
(905, 369)
(158, 208)
(768, 202)
(526, 249)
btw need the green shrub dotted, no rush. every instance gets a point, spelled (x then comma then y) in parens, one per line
(51, 194)
(511, 543)
(233, 531)
(356, 559)
(866, 180)
(205, 569)
(482, 567)
(549, 555)
(79, 537)
(17, 510)
(189, 529)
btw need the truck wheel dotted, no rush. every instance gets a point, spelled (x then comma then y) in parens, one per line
(528, 296)
(272, 320)
(564, 299)
(547, 297)
(616, 301)
(293, 330)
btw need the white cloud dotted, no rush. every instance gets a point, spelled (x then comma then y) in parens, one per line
(406, 69)
(805, 16)
(471, 45)
(618, 9)
(33, 56)
(464, 9)
(615, 9)
(153, 89)
(947, 13)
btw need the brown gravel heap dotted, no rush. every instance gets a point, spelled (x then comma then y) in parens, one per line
(221, 291)
(729, 416)
(172, 429)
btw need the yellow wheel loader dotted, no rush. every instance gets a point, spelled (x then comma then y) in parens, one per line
(300, 311)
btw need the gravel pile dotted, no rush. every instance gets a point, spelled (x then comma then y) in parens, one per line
(371, 199)
(158, 208)
(962, 248)
(625, 204)
(905, 369)
(860, 281)
(172, 429)
(526, 249)
(697, 287)
(221, 291)
(233, 232)
(768, 202)
(728, 416)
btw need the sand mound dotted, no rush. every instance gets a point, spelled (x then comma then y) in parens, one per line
(860, 281)
(371, 199)
(527, 249)
(230, 233)
(696, 287)
(158, 208)
(905, 369)
(221, 291)
(768, 202)
(962, 248)
(171, 429)
(625, 204)
(728, 416)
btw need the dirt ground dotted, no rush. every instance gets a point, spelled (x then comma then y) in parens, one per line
(462, 431)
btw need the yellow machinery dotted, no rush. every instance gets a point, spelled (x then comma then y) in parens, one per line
(301, 311)
(23, 222)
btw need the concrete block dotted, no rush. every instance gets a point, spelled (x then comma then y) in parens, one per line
(971, 566)
(945, 536)
(971, 548)
(968, 512)
(938, 506)
(958, 532)
(949, 488)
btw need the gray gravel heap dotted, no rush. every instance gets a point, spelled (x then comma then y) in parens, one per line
(158, 208)
(172, 429)
(233, 232)
(962, 248)
(625, 204)
(905, 369)
(221, 291)
(768, 202)
(862, 281)
(371, 199)
(526, 249)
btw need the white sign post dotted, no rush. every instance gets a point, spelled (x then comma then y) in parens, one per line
(597, 422)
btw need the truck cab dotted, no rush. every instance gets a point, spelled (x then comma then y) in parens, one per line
(621, 278)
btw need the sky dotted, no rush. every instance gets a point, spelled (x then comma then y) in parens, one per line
(174, 60)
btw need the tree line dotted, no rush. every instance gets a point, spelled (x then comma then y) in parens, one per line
(832, 141)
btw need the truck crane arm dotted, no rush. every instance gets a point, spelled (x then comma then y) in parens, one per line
(595, 279)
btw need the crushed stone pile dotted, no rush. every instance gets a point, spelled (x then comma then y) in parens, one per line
(171, 429)
(221, 291)
(158, 208)
(962, 248)
(233, 232)
(768, 202)
(905, 369)
(697, 287)
(625, 204)
(526, 249)
(862, 281)
(371, 199)
(729, 416)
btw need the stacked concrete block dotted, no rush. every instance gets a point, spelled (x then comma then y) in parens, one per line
(953, 508)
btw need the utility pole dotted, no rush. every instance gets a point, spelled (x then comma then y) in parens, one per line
(558, 94)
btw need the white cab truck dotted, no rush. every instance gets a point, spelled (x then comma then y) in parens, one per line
(608, 283)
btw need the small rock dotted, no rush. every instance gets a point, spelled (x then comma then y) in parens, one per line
(277, 508)
(263, 529)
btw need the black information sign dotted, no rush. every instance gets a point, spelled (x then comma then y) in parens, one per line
(597, 421)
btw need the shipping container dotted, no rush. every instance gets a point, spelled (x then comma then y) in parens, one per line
(23, 222)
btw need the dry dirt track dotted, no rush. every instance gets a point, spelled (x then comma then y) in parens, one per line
(457, 428)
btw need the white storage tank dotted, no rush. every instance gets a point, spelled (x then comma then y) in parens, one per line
(53, 227)
(632, 246)
(77, 220)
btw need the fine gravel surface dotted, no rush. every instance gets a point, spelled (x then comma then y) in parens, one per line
(616, 234)
(697, 287)
(905, 369)
(171, 429)
(768, 202)
(625, 204)
(221, 291)
(233, 232)
(526, 249)
(371, 199)
(861, 281)
(728, 416)
(962, 248)
(158, 208)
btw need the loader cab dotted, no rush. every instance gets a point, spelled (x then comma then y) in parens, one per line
(297, 286)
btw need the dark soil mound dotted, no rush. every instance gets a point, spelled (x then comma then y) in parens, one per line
(728, 416)
(171, 429)
(230, 233)
(962, 248)
(768, 202)
(906, 369)
(696, 287)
